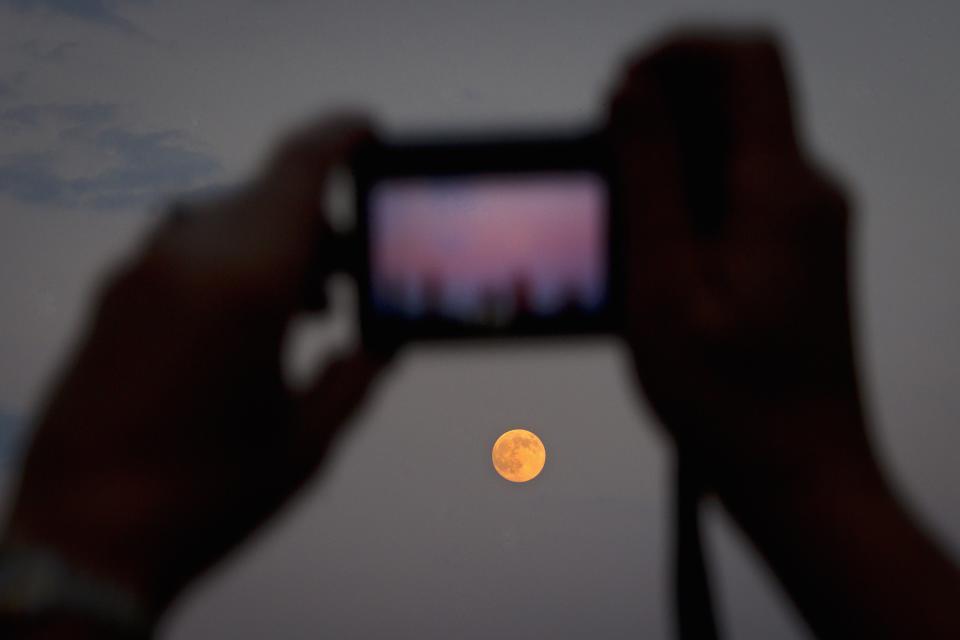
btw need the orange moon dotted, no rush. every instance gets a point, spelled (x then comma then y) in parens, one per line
(519, 455)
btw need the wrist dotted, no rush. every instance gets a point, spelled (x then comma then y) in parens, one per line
(63, 626)
(44, 594)
(98, 552)
(795, 453)
(836, 534)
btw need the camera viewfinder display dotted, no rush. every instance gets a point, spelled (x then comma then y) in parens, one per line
(489, 250)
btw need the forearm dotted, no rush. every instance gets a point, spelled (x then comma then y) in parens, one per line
(846, 551)
(61, 627)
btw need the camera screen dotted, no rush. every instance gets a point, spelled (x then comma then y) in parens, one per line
(489, 249)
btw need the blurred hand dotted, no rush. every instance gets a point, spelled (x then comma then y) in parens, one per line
(737, 264)
(739, 324)
(173, 433)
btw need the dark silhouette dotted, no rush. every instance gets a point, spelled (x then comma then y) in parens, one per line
(522, 296)
(737, 319)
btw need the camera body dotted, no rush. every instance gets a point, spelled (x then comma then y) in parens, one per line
(462, 237)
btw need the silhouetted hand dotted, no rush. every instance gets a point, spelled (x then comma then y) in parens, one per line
(173, 434)
(737, 261)
(739, 325)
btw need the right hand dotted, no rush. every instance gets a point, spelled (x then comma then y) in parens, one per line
(740, 333)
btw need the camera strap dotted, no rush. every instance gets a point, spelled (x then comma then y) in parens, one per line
(694, 614)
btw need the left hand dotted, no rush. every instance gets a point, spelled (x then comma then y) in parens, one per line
(173, 433)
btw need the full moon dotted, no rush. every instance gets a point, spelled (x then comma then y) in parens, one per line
(518, 455)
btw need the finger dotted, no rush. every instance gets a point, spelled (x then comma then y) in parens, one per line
(334, 253)
(692, 80)
(648, 176)
(297, 175)
(763, 120)
(660, 241)
(729, 102)
(328, 403)
(736, 82)
(271, 239)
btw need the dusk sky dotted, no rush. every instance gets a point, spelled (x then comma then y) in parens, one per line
(108, 107)
(475, 237)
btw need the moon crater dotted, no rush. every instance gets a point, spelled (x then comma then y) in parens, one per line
(519, 455)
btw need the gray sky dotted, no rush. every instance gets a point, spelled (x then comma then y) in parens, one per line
(105, 106)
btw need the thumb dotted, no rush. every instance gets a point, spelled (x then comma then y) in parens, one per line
(328, 403)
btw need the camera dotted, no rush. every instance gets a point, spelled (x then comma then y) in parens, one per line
(471, 237)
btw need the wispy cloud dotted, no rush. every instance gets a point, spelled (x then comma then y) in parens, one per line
(102, 12)
(11, 84)
(82, 115)
(151, 165)
(38, 51)
(138, 167)
(12, 429)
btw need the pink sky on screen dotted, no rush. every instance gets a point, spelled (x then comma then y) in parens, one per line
(475, 234)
